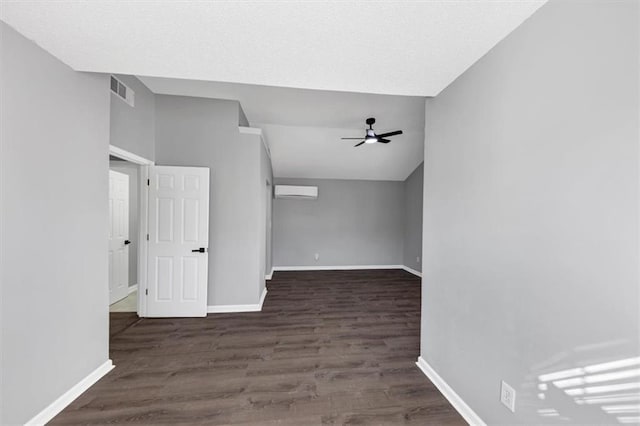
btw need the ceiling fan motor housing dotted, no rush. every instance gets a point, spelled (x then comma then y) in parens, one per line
(371, 137)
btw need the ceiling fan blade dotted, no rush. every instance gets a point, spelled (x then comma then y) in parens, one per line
(350, 138)
(384, 135)
(383, 140)
(358, 144)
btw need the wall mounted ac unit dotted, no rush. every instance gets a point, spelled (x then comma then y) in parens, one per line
(297, 192)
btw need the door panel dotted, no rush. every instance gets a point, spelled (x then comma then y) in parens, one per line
(118, 234)
(178, 224)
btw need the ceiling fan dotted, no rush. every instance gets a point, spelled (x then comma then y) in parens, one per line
(371, 137)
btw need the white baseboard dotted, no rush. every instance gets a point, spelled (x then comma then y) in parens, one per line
(69, 396)
(461, 407)
(412, 271)
(133, 288)
(218, 309)
(262, 297)
(268, 277)
(335, 268)
(343, 268)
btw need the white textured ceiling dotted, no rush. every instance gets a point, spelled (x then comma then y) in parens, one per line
(303, 127)
(389, 47)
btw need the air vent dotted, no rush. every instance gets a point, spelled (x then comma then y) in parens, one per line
(122, 91)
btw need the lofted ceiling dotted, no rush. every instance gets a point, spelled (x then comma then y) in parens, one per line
(411, 48)
(303, 127)
(300, 107)
(305, 152)
(306, 72)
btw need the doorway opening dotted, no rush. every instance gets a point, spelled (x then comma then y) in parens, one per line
(123, 241)
(128, 204)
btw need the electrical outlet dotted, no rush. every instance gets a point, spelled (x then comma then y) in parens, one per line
(508, 396)
(418, 259)
(316, 256)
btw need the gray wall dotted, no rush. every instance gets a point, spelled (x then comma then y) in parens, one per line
(54, 135)
(260, 205)
(265, 192)
(242, 118)
(204, 132)
(351, 223)
(133, 128)
(267, 171)
(412, 241)
(531, 212)
(131, 170)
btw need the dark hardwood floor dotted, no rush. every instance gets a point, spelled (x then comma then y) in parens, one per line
(334, 347)
(120, 321)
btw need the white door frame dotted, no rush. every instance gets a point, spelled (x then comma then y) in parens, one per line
(143, 219)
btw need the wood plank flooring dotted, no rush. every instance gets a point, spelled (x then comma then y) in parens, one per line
(330, 347)
(120, 321)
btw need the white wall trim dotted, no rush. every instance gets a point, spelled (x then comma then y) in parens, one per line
(458, 403)
(250, 130)
(219, 309)
(268, 277)
(256, 131)
(133, 288)
(129, 156)
(143, 218)
(143, 243)
(342, 268)
(262, 297)
(69, 396)
(335, 268)
(412, 271)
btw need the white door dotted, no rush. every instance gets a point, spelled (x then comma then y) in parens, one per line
(178, 241)
(118, 236)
